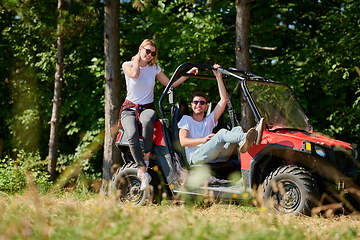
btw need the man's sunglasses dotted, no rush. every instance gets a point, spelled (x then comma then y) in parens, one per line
(148, 51)
(201, 102)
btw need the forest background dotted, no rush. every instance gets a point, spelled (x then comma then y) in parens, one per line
(316, 52)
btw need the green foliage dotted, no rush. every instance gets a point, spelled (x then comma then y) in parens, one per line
(25, 124)
(29, 34)
(86, 151)
(316, 55)
(12, 179)
(16, 173)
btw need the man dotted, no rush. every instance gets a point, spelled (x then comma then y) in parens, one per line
(195, 134)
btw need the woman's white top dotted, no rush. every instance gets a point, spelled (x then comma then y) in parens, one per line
(140, 90)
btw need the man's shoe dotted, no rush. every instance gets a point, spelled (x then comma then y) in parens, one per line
(248, 140)
(216, 181)
(259, 129)
(145, 180)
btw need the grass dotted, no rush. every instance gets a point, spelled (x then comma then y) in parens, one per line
(66, 215)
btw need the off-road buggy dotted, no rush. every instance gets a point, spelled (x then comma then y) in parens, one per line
(293, 169)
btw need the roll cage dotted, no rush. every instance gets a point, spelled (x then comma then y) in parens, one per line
(250, 84)
(241, 76)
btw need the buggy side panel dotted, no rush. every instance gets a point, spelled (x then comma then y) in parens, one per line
(158, 134)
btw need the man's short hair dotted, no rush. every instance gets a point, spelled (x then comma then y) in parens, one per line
(200, 94)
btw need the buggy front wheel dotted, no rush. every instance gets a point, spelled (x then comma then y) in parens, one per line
(291, 190)
(126, 187)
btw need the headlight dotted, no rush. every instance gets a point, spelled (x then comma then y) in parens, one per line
(320, 151)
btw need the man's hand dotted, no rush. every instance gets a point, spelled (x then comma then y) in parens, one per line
(193, 71)
(216, 73)
(207, 138)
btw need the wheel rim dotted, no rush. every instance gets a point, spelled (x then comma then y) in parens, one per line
(290, 200)
(131, 191)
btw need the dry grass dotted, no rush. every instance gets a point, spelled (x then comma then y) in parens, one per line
(66, 216)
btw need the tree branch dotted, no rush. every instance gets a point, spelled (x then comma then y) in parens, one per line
(264, 48)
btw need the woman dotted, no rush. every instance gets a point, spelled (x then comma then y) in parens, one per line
(137, 113)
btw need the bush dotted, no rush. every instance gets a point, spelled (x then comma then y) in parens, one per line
(15, 173)
(11, 178)
(77, 171)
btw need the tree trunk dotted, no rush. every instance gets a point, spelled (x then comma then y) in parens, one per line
(112, 86)
(242, 47)
(55, 115)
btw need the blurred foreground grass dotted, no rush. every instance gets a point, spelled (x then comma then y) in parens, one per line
(68, 216)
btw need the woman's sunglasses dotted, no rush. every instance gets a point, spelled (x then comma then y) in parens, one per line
(201, 102)
(148, 51)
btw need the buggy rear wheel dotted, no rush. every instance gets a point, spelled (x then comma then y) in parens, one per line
(126, 187)
(291, 190)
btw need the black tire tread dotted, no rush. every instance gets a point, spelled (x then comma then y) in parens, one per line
(307, 179)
